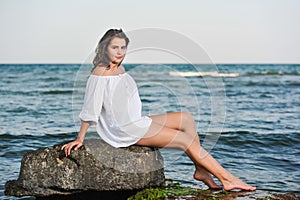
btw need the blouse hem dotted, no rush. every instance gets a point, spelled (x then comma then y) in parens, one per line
(120, 145)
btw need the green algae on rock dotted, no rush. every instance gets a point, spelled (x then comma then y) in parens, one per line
(174, 191)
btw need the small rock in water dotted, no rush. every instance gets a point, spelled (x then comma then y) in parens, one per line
(96, 166)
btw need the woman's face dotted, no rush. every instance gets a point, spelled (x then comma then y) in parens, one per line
(116, 50)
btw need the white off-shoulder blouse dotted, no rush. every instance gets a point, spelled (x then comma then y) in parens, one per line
(113, 105)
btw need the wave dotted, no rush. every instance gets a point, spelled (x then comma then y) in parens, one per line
(218, 74)
(264, 73)
(58, 92)
(10, 137)
(262, 140)
(212, 74)
(35, 93)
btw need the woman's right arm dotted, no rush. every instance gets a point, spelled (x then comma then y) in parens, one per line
(90, 113)
(79, 141)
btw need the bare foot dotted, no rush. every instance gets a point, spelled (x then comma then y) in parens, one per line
(235, 183)
(204, 176)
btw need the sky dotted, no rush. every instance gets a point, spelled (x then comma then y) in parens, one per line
(229, 31)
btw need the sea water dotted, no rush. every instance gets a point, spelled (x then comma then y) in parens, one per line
(247, 116)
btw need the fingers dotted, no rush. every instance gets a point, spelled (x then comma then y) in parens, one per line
(62, 148)
(68, 147)
(78, 146)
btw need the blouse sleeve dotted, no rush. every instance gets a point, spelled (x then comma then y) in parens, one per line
(93, 100)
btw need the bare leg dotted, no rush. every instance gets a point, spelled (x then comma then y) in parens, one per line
(167, 136)
(184, 122)
(203, 175)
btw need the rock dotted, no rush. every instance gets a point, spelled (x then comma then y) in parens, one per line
(96, 166)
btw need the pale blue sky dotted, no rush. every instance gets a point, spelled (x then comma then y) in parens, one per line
(231, 31)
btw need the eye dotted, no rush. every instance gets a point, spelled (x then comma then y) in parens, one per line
(124, 47)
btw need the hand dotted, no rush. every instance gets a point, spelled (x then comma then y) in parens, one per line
(68, 147)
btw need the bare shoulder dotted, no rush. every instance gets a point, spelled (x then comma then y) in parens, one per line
(99, 71)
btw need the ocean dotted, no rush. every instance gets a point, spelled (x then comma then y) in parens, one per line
(247, 115)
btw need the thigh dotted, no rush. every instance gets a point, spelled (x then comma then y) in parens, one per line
(172, 120)
(165, 137)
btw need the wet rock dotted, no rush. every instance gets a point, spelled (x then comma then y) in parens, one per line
(94, 167)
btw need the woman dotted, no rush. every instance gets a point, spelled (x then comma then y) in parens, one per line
(112, 103)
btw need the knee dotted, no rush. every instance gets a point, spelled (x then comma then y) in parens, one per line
(187, 121)
(187, 117)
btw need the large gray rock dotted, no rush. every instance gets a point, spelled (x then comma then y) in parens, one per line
(94, 167)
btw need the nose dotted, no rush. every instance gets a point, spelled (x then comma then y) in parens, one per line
(121, 51)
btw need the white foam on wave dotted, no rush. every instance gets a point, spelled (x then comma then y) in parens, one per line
(213, 74)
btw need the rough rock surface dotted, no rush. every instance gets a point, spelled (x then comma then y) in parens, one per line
(94, 167)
